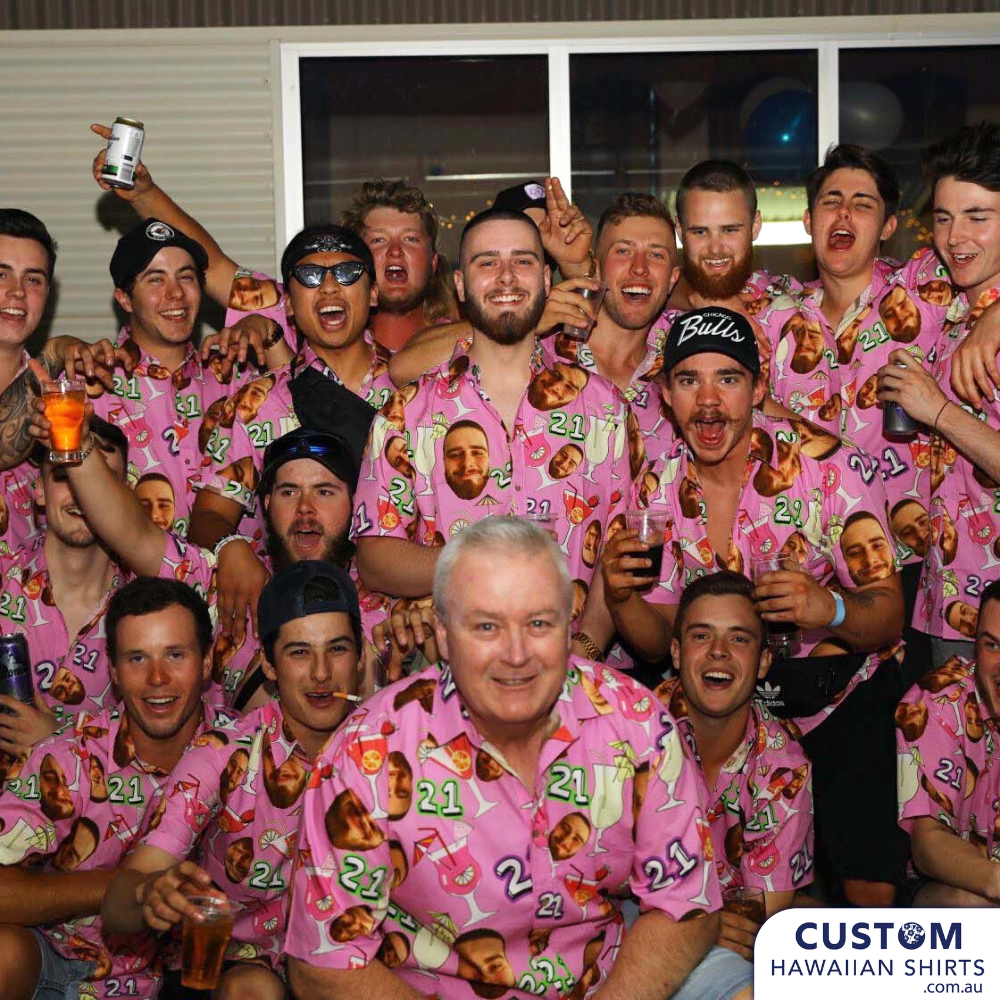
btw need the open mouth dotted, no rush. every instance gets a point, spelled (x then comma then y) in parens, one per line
(507, 299)
(14, 313)
(174, 315)
(395, 275)
(962, 259)
(637, 293)
(841, 239)
(74, 510)
(717, 680)
(307, 539)
(717, 263)
(321, 699)
(710, 431)
(332, 317)
(513, 683)
(160, 704)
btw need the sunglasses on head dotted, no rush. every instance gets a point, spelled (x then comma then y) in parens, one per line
(313, 275)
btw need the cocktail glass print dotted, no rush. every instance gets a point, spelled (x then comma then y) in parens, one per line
(429, 950)
(833, 485)
(920, 454)
(319, 905)
(584, 890)
(423, 455)
(596, 445)
(671, 765)
(456, 757)
(607, 802)
(370, 752)
(458, 871)
(64, 402)
(981, 528)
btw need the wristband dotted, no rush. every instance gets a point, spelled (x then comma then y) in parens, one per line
(841, 610)
(223, 542)
(89, 449)
(589, 646)
(938, 417)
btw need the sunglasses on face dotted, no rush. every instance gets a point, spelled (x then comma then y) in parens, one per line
(313, 275)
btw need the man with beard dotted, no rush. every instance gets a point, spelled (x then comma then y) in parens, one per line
(159, 637)
(306, 495)
(743, 465)
(756, 781)
(310, 628)
(466, 459)
(55, 591)
(948, 740)
(527, 408)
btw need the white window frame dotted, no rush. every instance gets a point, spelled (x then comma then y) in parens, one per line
(820, 35)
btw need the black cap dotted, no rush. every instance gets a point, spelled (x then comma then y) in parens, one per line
(712, 329)
(140, 245)
(329, 450)
(325, 239)
(306, 588)
(519, 197)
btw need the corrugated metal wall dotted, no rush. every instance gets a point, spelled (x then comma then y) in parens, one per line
(208, 113)
(25, 14)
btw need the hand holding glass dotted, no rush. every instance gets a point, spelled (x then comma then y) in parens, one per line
(64, 403)
(781, 636)
(745, 901)
(203, 942)
(652, 528)
(596, 297)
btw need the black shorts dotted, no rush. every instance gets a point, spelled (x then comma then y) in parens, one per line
(853, 753)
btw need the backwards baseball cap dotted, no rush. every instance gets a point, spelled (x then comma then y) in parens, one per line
(712, 329)
(519, 197)
(325, 239)
(307, 588)
(327, 449)
(140, 245)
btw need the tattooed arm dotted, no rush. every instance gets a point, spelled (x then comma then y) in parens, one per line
(17, 403)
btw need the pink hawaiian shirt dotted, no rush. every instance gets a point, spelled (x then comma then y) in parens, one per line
(235, 809)
(255, 293)
(907, 314)
(761, 806)
(948, 756)
(439, 458)
(164, 416)
(420, 847)
(81, 801)
(964, 502)
(804, 493)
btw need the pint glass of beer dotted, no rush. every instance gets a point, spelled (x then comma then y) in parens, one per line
(203, 942)
(745, 901)
(64, 402)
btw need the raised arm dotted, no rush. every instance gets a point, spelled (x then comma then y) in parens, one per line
(29, 897)
(396, 566)
(151, 201)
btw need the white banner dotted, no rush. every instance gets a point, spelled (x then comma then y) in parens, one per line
(886, 954)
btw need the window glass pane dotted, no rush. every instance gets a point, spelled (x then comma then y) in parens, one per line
(640, 121)
(897, 101)
(460, 129)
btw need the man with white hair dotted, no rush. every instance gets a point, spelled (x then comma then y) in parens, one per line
(573, 764)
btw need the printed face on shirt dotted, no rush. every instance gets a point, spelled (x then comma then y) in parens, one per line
(156, 495)
(404, 258)
(967, 234)
(466, 459)
(556, 387)
(713, 397)
(283, 784)
(165, 298)
(400, 866)
(988, 657)
(394, 950)
(591, 543)
(398, 456)
(866, 550)
(937, 292)
(503, 279)
(808, 337)
(814, 441)
(250, 398)
(250, 294)
(160, 671)
(394, 409)
(350, 826)
(98, 781)
(796, 547)
(900, 315)
(233, 773)
(332, 315)
(505, 633)
(568, 836)
(24, 288)
(316, 657)
(308, 512)
(482, 958)
(488, 768)
(911, 525)
(962, 618)
(355, 921)
(717, 233)
(79, 844)
(720, 654)
(565, 461)
(400, 785)
(638, 259)
(239, 859)
(67, 687)
(847, 223)
(54, 793)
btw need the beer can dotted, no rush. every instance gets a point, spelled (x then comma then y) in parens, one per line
(896, 422)
(15, 669)
(124, 151)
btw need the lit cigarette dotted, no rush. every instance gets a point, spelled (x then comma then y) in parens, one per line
(347, 697)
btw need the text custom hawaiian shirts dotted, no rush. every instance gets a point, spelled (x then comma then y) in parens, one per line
(439, 459)
(948, 765)
(964, 507)
(761, 808)
(162, 413)
(81, 801)
(235, 809)
(805, 493)
(420, 847)
(907, 315)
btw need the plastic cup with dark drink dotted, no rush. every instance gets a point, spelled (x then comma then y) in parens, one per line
(782, 637)
(747, 902)
(595, 296)
(203, 942)
(545, 521)
(652, 528)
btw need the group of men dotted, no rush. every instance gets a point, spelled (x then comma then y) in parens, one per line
(348, 595)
